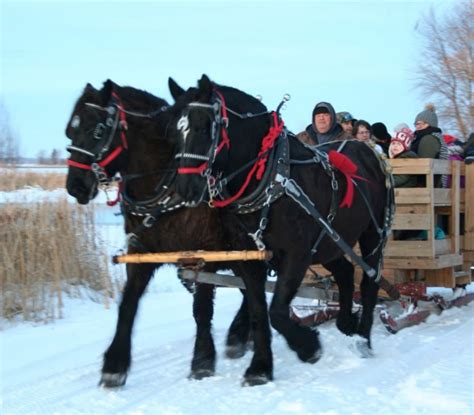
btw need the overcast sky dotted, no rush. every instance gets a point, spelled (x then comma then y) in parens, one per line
(358, 55)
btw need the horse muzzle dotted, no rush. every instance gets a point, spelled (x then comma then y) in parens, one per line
(82, 193)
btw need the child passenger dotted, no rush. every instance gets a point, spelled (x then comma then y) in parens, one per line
(400, 148)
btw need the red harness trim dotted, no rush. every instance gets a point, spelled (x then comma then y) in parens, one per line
(259, 167)
(349, 169)
(193, 170)
(103, 163)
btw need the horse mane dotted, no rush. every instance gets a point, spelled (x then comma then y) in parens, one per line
(142, 96)
(241, 101)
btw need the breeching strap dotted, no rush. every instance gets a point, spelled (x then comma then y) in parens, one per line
(268, 142)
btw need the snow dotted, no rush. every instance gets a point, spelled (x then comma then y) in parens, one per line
(54, 368)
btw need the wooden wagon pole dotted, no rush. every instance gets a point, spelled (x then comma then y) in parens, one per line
(184, 256)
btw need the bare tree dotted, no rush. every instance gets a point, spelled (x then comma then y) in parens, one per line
(9, 143)
(41, 157)
(445, 72)
(55, 156)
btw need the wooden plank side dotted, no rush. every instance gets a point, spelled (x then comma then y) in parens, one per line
(409, 249)
(443, 261)
(469, 209)
(418, 221)
(455, 217)
(410, 166)
(442, 197)
(443, 246)
(440, 277)
(417, 195)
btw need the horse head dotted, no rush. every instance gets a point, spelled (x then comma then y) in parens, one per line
(211, 122)
(100, 141)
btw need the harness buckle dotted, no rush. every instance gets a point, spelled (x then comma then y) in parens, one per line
(149, 221)
(256, 238)
(98, 131)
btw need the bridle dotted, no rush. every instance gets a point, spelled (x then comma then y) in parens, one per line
(218, 115)
(104, 132)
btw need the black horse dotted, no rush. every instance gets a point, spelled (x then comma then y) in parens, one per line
(122, 130)
(306, 204)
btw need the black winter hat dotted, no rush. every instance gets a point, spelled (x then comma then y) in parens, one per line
(379, 131)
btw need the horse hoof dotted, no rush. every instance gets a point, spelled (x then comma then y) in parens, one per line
(112, 380)
(200, 374)
(256, 380)
(347, 325)
(362, 347)
(316, 356)
(235, 351)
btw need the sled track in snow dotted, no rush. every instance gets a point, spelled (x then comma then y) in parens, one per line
(54, 392)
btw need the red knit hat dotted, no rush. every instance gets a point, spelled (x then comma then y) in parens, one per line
(448, 139)
(405, 137)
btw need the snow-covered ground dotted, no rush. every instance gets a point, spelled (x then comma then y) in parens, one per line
(54, 368)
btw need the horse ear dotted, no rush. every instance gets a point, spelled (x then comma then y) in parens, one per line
(89, 88)
(205, 85)
(106, 91)
(175, 89)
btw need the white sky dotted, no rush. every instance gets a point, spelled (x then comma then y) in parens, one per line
(358, 55)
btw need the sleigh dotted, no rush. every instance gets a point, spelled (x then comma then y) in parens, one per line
(411, 267)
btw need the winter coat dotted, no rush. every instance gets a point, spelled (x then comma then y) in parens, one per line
(429, 143)
(406, 180)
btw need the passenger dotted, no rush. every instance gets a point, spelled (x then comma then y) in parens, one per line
(455, 152)
(469, 150)
(361, 132)
(346, 120)
(428, 142)
(324, 126)
(381, 136)
(400, 148)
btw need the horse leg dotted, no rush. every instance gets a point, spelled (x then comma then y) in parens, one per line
(239, 330)
(117, 358)
(204, 357)
(368, 290)
(343, 272)
(260, 370)
(303, 340)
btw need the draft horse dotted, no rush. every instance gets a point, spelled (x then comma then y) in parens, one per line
(121, 130)
(306, 204)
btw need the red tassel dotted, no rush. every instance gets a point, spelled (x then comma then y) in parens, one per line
(349, 169)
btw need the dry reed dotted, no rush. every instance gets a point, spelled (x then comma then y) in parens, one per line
(49, 249)
(12, 179)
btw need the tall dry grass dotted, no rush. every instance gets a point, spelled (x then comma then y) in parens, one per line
(49, 249)
(11, 179)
